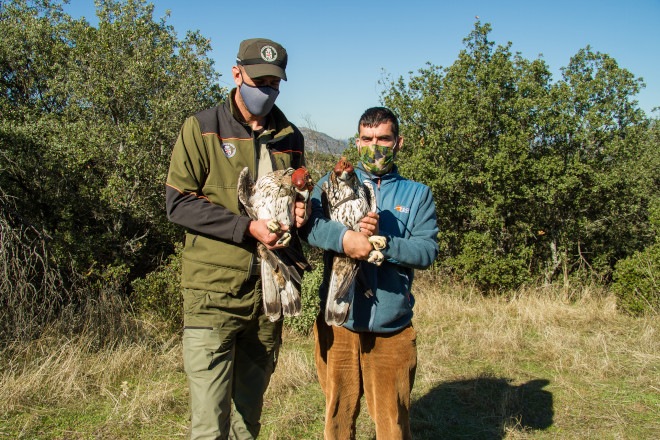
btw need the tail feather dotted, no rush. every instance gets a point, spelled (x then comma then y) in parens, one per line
(290, 299)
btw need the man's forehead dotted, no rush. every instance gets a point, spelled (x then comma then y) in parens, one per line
(382, 129)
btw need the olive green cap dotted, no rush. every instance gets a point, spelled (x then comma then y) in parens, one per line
(261, 57)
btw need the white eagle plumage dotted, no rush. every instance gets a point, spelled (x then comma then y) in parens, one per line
(273, 197)
(347, 200)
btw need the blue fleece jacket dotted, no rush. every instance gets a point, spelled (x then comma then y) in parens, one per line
(408, 221)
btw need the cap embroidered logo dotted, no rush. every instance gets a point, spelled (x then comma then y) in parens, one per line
(268, 53)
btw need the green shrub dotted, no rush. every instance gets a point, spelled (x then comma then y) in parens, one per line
(484, 263)
(159, 292)
(637, 281)
(310, 302)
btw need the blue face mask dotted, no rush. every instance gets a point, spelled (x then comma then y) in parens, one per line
(258, 100)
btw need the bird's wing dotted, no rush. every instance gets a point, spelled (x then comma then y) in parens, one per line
(270, 289)
(293, 255)
(245, 189)
(325, 203)
(371, 195)
(290, 263)
(341, 289)
(279, 261)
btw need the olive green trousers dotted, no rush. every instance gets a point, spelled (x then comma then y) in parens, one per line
(229, 353)
(380, 366)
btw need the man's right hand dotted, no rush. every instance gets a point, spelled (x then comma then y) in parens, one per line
(258, 229)
(356, 245)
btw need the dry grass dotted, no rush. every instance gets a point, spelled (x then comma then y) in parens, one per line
(585, 337)
(544, 363)
(122, 385)
(540, 364)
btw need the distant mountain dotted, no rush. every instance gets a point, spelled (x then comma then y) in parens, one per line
(322, 143)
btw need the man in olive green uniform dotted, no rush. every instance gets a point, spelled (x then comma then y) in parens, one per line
(229, 346)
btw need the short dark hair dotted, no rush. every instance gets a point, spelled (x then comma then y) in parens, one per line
(374, 116)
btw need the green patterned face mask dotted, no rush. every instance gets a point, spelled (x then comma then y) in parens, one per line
(377, 159)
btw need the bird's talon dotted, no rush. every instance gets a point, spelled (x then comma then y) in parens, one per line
(274, 226)
(376, 257)
(284, 239)
(378, 242)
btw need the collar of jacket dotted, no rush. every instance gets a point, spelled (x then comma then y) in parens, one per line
(276, 119)
(385, 179)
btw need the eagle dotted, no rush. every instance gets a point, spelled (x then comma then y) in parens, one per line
(273, 197)
(347, 200)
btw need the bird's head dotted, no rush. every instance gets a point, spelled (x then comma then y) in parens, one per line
(344, 170)
(302, 181)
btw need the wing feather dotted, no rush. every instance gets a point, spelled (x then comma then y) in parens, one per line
(245, 189)
(341, 289)
(371, 195)
(269, 291)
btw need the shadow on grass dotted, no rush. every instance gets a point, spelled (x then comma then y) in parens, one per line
(481, 408)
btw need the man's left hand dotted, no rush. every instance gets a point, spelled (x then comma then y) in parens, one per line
(369, 224)
(302, 211)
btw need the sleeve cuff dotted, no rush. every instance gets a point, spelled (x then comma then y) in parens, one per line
(241, 227)
(340, 246)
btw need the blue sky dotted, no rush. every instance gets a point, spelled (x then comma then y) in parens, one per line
(338, 50)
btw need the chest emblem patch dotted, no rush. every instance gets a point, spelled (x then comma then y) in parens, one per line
(402, 209)
(229, 149)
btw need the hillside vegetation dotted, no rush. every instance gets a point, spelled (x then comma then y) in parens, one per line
(322, 143)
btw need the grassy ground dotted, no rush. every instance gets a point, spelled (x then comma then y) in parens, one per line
(540, 364)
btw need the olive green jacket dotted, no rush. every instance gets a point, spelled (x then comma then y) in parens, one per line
(211, 150)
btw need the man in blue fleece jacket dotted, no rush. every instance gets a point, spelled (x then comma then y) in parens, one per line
(374, 352)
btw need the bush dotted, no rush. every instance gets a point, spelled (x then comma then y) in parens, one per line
(527, 172)
(637, 281)
(310, 302)
(486, 265)
(159, 292)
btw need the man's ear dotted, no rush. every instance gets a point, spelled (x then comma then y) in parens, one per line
(398, 145)
(236, 74)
